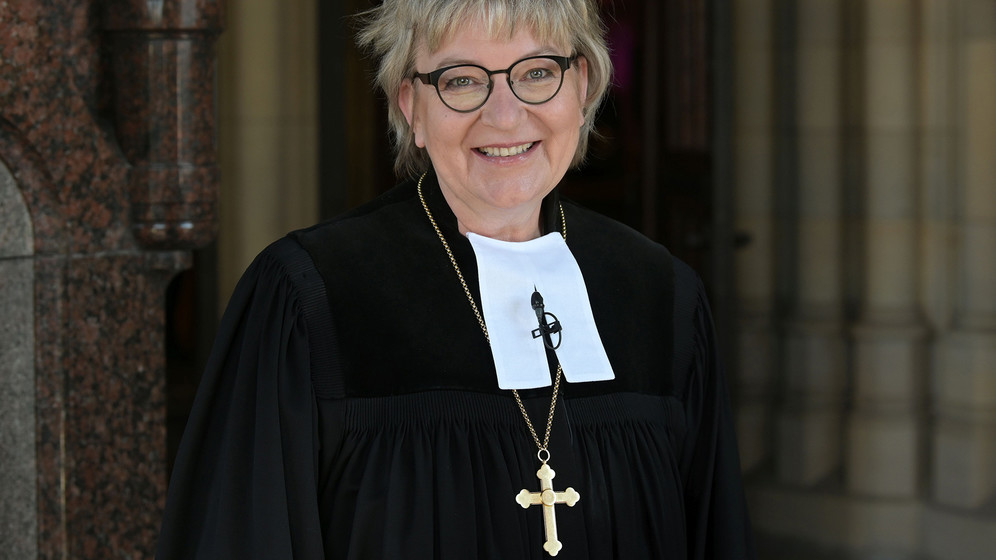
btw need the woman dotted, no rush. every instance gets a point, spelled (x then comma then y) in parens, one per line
(468, 366)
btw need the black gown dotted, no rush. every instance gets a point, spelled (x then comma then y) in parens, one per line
(350, 408)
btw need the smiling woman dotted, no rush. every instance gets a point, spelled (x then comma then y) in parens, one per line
(395, 31)
(469, 366)
(497, 162)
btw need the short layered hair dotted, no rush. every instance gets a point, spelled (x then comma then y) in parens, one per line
(394, 30)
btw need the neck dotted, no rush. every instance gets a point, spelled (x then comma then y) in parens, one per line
(503, 231)
(521, 223)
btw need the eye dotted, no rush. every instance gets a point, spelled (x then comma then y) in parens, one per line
(462, 80)
(538, 74)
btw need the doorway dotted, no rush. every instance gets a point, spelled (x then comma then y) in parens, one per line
(659, 165)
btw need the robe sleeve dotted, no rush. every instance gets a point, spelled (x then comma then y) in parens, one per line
(244, 482)
(716, 512)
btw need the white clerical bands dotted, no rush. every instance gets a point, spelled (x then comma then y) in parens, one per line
(509, 275)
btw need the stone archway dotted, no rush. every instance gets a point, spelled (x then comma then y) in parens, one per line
(18, 472)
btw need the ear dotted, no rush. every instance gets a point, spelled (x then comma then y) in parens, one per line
(406, 102)
(582, 86)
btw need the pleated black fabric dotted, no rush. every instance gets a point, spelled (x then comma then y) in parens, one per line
(383, 434)
(244, 484)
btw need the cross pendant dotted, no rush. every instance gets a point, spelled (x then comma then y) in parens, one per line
(547, 497)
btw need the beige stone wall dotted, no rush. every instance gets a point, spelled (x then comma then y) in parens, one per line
(268, 129)
(865, 163)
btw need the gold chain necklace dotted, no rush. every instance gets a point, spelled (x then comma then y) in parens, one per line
(546, 497)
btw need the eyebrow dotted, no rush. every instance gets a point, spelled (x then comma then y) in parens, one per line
(455, 61)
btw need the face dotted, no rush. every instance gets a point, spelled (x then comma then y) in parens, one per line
(464, 147)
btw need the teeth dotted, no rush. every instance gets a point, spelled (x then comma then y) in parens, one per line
(505, 152)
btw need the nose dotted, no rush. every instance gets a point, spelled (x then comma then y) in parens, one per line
(503, 109)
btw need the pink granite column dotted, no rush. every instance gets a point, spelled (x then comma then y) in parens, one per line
(163, 103)
(112, 210)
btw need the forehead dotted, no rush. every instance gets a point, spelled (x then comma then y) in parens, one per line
(493, 27)
(469, 45)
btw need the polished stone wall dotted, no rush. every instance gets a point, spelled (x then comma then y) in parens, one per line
(108, 177)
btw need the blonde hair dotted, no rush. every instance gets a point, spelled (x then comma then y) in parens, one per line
(393, 31)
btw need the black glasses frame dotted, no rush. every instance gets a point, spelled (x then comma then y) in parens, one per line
(432, 79)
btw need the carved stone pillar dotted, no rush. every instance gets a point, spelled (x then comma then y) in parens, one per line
(753, 53)
(885, 428)
(964, 437)
(164, 107)
(814, 344)
(918, 285)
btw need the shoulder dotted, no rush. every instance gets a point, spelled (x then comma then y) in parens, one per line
(285, 267)
(615, 249)
(609, 233)
(688, 284)
(286, 263)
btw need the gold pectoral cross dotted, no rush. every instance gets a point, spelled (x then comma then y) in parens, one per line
(547, 498)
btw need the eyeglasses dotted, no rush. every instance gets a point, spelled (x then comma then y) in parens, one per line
(467, 87)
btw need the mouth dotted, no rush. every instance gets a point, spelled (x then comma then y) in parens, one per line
(506, 151)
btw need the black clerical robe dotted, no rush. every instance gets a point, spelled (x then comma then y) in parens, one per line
(350, 408)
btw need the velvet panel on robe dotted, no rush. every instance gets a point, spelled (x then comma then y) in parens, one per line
(350, 408)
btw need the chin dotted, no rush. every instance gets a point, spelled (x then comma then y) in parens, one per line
(509, 192)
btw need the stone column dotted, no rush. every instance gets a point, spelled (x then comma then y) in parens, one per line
(18, 467)
(964, 436)
(81, 294)
(163, 71)
(267, 129)
(753, 197)
(815, 367)
(885, 428)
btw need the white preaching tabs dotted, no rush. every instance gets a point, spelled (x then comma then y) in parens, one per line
(509, 273)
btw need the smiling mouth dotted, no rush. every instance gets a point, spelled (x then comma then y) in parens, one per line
(505, 152)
